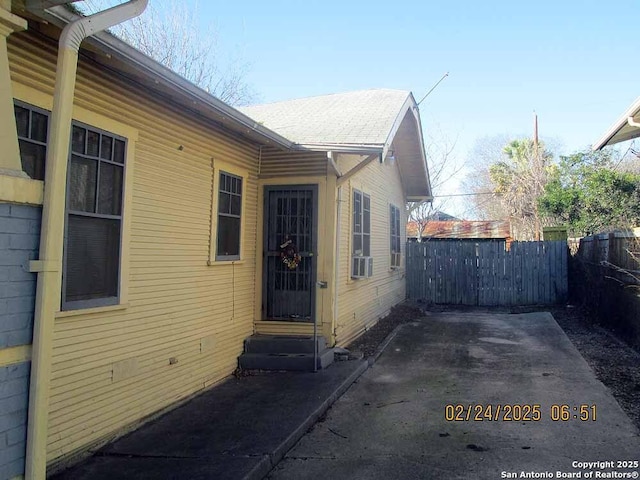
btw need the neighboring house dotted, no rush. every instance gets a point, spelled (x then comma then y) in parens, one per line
(627, 127)
(484, 230)
(177, 210)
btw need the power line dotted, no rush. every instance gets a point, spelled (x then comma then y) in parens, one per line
(474, 208)
(465, 194)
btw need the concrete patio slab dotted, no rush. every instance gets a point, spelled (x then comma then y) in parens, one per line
(237, 430)
(391, 423)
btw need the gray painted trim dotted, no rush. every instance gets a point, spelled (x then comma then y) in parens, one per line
(314, 242)
(242, 190)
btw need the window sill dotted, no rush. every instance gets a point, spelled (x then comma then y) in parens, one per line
(217, 263)
(90, 311)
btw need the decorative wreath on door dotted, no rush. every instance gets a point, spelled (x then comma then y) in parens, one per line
(289, 254)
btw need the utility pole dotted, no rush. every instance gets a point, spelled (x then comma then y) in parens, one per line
(538, 173)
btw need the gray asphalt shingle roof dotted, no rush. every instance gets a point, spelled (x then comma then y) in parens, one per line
(363, 117)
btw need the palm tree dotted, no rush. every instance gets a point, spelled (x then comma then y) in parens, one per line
(520, 179)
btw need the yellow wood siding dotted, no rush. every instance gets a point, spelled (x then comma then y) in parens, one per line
(362, 302)
(112, 368)
(284, 328)
(276, 163)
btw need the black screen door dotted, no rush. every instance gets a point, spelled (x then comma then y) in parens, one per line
(290, 215)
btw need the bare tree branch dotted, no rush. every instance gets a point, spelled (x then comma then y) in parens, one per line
(443, 167)
(169, 32)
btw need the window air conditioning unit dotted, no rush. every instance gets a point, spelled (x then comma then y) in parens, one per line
(362, 267)
(395, 259)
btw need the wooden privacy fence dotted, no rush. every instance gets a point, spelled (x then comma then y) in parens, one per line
(618, 251)
(467, 272)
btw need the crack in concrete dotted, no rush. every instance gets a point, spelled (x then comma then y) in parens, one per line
(337, 434)
(176, 457)
(415, 458)
(381, 405)
(138, 455)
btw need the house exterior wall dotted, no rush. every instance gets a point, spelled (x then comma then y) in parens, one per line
(181, 322)
(300, 168)
(362, 302)
(276, 163)
(19, 238)
(325, 258)
(14, 399)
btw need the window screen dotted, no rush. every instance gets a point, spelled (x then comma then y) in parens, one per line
(95, 185)
(229, 215)
(93, 252)
(361, 228)
(395, 236)
(32, 124)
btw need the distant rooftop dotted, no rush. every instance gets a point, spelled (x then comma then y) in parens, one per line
(442, 216)
(363, 117)
(468, 229)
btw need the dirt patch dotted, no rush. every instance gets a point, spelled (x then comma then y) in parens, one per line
(369, 341)
(615, 363)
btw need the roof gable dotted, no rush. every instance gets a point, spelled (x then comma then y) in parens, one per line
(382, 122)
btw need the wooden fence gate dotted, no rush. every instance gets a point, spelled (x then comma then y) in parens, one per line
(468, 272)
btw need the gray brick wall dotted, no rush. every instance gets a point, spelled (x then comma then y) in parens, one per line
(14, 399)
(19, 240)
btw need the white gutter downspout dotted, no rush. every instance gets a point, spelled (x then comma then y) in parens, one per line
(49, 266)
(333, 165)
(336, 268)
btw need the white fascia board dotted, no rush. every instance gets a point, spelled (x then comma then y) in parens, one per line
(410, 105)
(341, 148)
(416, 113)
(609, 137)
(111, 44)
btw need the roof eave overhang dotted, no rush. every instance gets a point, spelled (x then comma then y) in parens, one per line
(229, 116)
(356, 149)
(411, 107)
(419, 198)
(615, 133)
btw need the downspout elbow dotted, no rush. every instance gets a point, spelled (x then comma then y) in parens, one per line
(633, 122)
(75, 32)
(333, 165)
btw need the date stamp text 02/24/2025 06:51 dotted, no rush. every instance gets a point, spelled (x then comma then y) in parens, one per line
(518, 412)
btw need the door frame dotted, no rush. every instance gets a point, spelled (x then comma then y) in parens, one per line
(314, 242)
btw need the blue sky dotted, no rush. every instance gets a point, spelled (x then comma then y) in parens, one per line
(572, 62)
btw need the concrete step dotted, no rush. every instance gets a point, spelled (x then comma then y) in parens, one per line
(282, 344)
(285, 361)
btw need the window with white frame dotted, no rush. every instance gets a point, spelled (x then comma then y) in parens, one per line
(362, 262)
(394, 239)
(32, 124)
(229, 217)
(93, 230)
